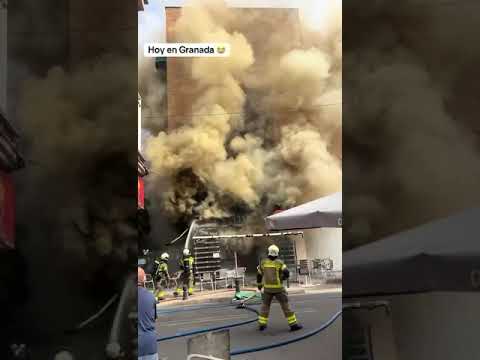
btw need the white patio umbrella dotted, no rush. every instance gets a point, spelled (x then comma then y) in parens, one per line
(323, 212)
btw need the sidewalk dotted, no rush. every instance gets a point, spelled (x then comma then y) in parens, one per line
(226, 295)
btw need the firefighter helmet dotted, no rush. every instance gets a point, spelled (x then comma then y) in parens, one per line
(273, 250)
(164, 256)
(186, 252)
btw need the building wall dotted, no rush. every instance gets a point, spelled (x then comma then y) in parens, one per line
(179, 83)
(378, 325)
(439, 325)
(324, 243)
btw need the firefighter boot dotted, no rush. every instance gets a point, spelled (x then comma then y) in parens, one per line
(185, 293)
(296, 327)
(262, 321)
(161, 295)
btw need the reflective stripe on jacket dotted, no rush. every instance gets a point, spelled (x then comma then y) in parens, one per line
(162, 269)
(270, 270)
(187, 262)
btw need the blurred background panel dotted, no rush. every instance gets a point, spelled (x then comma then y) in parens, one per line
(70, 108)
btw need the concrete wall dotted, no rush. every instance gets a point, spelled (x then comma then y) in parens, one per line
(440, 326)
(324, 243)
(380, 327)
(437, 326)
(300, 247)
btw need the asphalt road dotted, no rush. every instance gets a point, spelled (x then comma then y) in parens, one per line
(312, 311)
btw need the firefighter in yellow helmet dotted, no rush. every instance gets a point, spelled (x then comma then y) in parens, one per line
(162, 276)
(270, 276)
(186, 279)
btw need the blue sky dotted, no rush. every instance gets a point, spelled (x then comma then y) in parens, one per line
(313, 12)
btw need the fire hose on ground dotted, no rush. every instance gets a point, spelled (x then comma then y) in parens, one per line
(290, 341)
(243, 305)
(210, 329)
(193, 308)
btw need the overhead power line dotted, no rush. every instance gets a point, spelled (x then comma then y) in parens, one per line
(311, 108)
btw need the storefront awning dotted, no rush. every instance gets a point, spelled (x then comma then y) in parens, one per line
(323, 212)
(443, 255)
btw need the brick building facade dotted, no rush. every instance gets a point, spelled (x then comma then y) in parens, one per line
(179, 81)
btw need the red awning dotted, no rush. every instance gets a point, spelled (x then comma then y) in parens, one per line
(141, 193)
(7, 211)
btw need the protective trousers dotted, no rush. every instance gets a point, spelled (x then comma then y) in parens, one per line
(282, 298)
(161, 293)
(186, 281)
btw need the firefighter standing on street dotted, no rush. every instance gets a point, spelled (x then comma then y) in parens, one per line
(162, 275)
(186, 278)
(270, 276)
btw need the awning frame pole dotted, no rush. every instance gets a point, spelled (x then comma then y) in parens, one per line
(243, 236)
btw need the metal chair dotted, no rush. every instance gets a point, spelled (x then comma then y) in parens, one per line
(240, 274)
(175, 278)
(220, 276)
(206, 277)
(304, 270)
(149, 283)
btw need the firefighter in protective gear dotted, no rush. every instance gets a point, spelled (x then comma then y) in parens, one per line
(270, 276)
(162, 275)
(186, 279)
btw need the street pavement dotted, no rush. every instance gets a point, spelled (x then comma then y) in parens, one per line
(312, 311)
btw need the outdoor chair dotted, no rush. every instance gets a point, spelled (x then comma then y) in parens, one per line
(239, 275)
(304, 270)
(206, 277)
(221, 276)
(149, 284)
(173, 280)
(324, 267)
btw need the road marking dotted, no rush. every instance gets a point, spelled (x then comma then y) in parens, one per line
(201, 320)
(306, 311)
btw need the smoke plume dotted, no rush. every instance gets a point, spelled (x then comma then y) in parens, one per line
(410, 143)
(76, 207)
(264, 127)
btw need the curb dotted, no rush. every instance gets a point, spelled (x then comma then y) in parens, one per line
(325, 291)
(229, 296)
(194, 301)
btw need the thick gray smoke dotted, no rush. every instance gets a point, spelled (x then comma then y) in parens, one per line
(411, 149)
(265, 123)
(151, 84)
(76, 197)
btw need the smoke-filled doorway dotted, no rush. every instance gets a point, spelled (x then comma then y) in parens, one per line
(225, 245)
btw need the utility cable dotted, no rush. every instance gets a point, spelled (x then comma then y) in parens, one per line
(210, 329)
(263, 112)
(290, 341)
